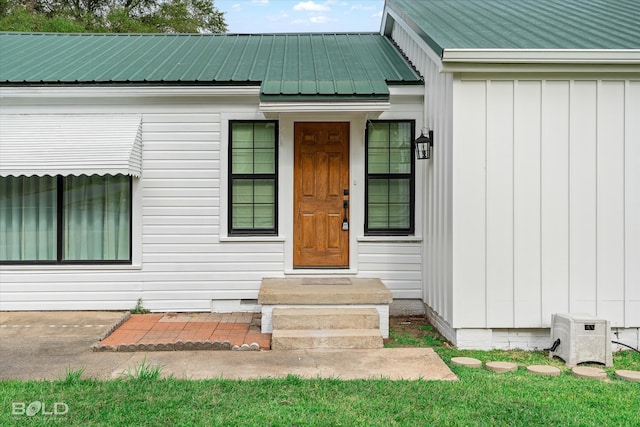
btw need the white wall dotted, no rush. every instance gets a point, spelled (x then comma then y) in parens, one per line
(182, 257)
(436, 185)
(546, 200)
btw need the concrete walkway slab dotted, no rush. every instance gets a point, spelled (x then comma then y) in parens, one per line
(44, 345)
(389, 363)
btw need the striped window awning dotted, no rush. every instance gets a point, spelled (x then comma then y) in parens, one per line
(70, 144)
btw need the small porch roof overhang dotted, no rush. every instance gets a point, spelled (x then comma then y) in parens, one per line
(70, 144)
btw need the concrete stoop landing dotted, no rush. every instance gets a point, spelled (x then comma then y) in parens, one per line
(325, 313)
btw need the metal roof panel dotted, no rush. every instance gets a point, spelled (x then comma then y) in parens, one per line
(287, 64)
(523, 24)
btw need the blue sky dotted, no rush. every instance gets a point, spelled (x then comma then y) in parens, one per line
(294, 16)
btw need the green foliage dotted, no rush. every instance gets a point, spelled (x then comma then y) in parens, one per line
(72, 376)
(479, 398)
(114, 16)
(139, 308)
(143, 372)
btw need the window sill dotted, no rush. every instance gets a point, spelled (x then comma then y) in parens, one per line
(274, 239)
(70, 267)
(390, 239)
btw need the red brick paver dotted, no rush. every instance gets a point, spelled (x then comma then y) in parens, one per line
(187, 331)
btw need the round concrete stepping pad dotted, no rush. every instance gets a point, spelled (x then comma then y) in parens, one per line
(501, 367)
(547, 370)
(587, 372)
(628, 375)
(468, 362)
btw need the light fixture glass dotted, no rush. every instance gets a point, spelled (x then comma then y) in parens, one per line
(423, 145)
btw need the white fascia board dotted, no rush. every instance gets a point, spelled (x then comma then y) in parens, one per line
(126, 91)
(324, 107)
(541, 56)
(407, 90)
(435, 58)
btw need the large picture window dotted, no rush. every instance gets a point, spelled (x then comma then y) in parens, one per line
(253, 171)
(390, 171)
(71, 219)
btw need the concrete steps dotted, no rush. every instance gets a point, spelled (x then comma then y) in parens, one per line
(325, 318)
(327, 328)
(337, 303)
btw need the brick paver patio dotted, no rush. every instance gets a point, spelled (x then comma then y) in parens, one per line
(187, 331)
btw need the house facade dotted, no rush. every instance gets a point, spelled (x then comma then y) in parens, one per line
(184, 169)
(219, 161)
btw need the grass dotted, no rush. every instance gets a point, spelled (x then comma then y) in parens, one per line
(479, 398)
(72, 376)
(143, 372)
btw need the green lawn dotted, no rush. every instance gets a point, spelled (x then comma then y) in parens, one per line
(479, 398)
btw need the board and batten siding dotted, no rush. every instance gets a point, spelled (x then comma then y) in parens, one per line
(436, 185)
(546, 198)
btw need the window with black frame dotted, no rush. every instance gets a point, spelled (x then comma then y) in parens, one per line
(253, 182)
(65, 219)
(390, 178)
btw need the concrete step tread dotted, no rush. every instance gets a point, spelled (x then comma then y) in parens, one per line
(320, 291)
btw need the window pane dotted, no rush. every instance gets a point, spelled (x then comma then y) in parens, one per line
(96, 223)
(242, 161)
(242, 216)
(399, 191)
(28, 218)
(264, 217)
(264, 191)
(242, 135)
(242, 191)
(253, 148)
(399, 215)
(378, 160)
(264, 135)
(265, 161)
(253, 204)
(400, 135)
(378, 135)
(400, 161)
(378, 213)
(378, 217)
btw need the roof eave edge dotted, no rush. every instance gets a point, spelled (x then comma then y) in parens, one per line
(324, 107)
(541, 56)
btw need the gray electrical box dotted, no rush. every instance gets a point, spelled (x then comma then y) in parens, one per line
(583, 338)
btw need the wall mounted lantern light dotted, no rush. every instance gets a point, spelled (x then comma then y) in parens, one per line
(423, 145)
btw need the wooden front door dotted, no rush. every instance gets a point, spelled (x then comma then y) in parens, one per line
(321, 195)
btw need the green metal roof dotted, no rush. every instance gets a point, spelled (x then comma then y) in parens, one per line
(284, 65)
(523, 24)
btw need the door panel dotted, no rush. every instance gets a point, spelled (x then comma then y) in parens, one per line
(321, 174)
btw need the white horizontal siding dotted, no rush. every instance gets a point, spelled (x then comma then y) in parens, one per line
(69, 290)
(398, 265)
(546, 201)
(184, 259)
(183, 263)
